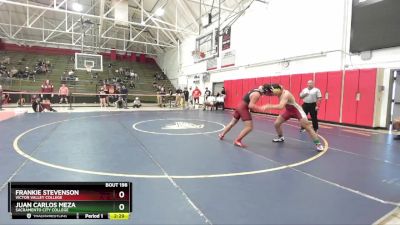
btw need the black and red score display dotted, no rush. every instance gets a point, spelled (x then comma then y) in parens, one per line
(70, 200)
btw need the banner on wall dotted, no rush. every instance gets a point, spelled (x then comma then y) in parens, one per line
(228, 59)
(226, 38)
(212, 64)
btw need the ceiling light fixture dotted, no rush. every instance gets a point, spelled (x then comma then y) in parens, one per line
(159, 12)
(77, 7)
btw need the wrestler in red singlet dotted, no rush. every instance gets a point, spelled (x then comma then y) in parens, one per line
(243, 111)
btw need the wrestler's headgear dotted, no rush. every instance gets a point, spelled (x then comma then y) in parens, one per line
(271, 89)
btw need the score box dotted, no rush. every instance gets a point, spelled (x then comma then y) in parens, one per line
(69, 200)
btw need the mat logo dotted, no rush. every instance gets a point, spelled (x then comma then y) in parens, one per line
(182, 126)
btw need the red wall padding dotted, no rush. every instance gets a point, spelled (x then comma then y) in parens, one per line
(142, 58)
(321, 82)
(133, 57)
(274, 100)
(113, 55)
(349, 114)
(295, 86)
(366, 105)
(334, 89)
(330, 83)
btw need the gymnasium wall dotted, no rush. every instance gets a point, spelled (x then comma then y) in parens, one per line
(312, 35)
(265, 34)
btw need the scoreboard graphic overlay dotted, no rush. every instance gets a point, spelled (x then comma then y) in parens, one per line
(70, 200)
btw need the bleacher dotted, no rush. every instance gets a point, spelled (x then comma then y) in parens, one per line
(85, 83)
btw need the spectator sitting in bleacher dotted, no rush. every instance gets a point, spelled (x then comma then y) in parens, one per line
(159, 76)
(219, 101)
(209, 103)
(37, 106)
(155, 85)
(71, 73)
(132, 75)
(13, 72)
(5, 60)
(132, 84)
(3, 71)
(40, 67)
(120, 102)
(137, 103)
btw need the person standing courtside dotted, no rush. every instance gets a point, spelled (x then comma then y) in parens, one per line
(185, 98)
(312, 99)
(223, 94)
(178, 97)
(207, 93)
(196, 93)
(63, 93)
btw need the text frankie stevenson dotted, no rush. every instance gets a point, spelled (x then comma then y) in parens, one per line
(46, 192)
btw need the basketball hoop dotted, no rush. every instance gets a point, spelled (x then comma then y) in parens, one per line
(89, 68)
(198, 55)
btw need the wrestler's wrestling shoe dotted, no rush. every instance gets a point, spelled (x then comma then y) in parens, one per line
(239, 144)
(278, 139)
(319, 147)
(221, 137)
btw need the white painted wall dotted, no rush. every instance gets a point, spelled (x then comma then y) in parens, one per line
(313, 35)
(284, 29)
